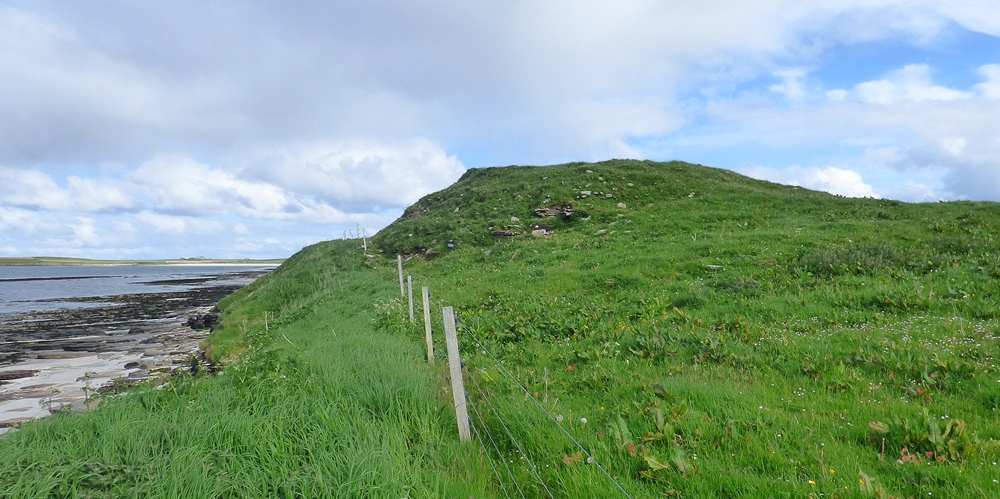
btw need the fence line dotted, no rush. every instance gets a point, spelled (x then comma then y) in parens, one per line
(462, 403)
(534, 470)
(499, 454)
(590, 458)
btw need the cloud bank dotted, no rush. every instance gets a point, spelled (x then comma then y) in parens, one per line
(253, 128)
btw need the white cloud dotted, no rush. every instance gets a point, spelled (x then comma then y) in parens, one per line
(912, 83)
(830, 179)
(916, 192)
(67, 94)
(836, 95)
(37, 190)
(85, 232)
(178, 225)
(886, 156)
(792, 84)
(177, 184)
(18, 219)
(954, 145)
(989, 89)
(360, 172)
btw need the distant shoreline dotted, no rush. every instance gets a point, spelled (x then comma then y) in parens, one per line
(41, 261)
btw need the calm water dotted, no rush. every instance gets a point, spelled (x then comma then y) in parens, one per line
(21, 288)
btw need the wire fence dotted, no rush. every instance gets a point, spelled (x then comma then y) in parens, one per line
(546, 412)
(509, 482)
(590, 458)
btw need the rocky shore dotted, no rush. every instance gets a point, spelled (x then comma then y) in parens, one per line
(57, 359)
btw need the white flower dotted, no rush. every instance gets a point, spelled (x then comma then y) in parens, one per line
(583, 420)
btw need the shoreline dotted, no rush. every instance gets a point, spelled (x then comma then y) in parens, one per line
(32, 261)
(60, 358)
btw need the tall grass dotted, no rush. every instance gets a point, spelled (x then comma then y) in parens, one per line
(328, 403)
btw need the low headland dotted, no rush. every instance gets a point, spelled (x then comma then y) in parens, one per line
(690, 331)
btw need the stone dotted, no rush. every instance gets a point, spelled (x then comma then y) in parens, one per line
(14, 423)
(504, 232)
(539, 233)
(622, 205)
(17, 374)
(514, 220)
(565, 210)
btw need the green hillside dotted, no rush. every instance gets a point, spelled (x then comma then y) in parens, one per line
(724, 336)
(699, 333)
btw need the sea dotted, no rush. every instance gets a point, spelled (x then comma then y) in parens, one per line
(25, 289)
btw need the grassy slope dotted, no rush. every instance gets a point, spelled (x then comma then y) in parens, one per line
(758, 339)
(331, 402)
(722, 336)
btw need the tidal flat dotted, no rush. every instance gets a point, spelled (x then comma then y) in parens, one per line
(60, 358)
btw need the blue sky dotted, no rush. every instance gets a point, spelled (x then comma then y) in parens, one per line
(251, 129)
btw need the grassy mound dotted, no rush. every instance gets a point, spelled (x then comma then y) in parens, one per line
(722, 336)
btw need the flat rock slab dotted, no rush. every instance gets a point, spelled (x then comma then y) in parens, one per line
(7, 375)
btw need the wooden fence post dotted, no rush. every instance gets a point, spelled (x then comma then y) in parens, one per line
(399, 260)
(427, 324)
(409, 293)
(455, 368)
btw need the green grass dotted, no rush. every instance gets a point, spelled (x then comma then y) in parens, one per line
(722, 337)
(741, 341)
(331, 402)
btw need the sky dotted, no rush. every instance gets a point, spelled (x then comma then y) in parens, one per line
(249, 129)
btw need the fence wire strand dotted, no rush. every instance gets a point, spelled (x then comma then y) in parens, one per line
(490, 459)
(534, 470)
(495, 447)
(590, 458)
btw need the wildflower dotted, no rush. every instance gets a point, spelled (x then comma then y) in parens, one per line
(812, 482)
(583, 420)
(559, 418)
(832, 471)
